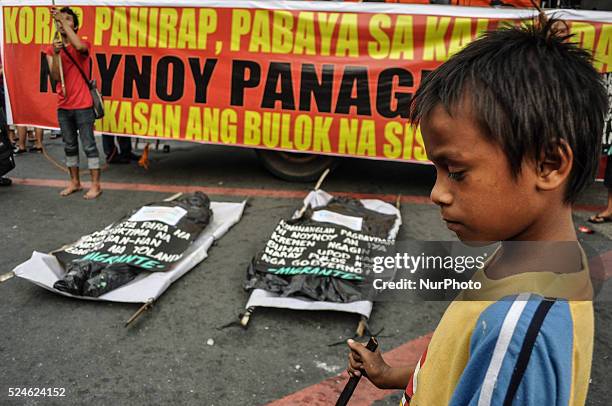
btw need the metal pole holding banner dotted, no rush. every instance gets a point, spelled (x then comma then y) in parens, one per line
(61, 70)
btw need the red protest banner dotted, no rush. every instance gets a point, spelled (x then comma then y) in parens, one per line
(297, 76)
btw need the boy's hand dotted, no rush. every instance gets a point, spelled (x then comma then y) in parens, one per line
(57, 45)
(55, 13)
(362, 359)
(58, 16)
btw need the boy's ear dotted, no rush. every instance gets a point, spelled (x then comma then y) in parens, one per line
(554, 168)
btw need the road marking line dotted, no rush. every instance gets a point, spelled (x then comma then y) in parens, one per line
(217, 190)
(245, 192)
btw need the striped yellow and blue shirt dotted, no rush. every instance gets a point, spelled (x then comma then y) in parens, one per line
(522, 340)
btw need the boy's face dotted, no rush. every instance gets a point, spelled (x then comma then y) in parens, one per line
(478, 197)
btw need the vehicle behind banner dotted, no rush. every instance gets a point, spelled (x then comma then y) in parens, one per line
(469, 3)
(320, 78)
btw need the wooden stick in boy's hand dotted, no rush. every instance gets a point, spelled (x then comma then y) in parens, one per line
(348, 390)
(56, 37)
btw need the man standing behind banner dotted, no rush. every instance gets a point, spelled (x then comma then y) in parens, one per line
(74, 108)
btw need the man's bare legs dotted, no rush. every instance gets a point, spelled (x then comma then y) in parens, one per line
(21, 138)
(38, 143)
(95, 189)
(12, 135)
(75, 182)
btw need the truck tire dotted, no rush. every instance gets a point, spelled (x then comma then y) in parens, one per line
(295, 167)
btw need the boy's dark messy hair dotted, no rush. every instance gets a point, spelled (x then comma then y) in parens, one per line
(75, 18)
(530, 91)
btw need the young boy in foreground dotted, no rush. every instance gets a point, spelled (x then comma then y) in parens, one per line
(513, 125)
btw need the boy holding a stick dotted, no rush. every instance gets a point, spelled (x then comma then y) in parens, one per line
(513, 124)
(74, 104)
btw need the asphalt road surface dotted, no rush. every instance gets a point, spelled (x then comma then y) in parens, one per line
(49, 341)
